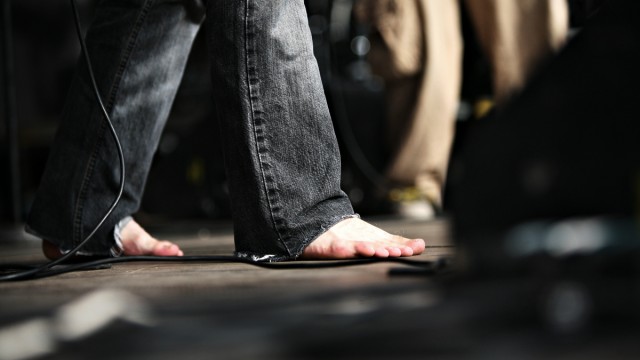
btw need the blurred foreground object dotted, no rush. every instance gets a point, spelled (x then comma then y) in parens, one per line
(545, 194)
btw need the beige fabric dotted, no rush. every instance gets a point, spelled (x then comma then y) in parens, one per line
(399, 24)
(516, 35)
(418, 51)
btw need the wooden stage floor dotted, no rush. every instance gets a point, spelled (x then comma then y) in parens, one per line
(229, 309)
(238, 311)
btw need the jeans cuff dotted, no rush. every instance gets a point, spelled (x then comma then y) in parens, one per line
(118, 249)
(257, 257)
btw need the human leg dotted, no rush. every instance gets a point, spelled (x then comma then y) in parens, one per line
(516, 35)
(423, 155)
(418, 51)
(280, 149)
(138, 49)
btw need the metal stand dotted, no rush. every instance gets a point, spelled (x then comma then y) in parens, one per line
(9, 93)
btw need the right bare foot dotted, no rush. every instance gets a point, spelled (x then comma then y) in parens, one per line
(135, 241)
(353, 238)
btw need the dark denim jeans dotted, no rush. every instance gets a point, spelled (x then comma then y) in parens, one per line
(281, 154)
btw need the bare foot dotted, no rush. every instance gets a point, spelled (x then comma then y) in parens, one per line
(353, 238)
(135, 241)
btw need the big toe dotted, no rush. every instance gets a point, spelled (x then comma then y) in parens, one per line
(165, 248)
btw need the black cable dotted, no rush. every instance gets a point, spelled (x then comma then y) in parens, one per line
(349, 139)
(31, 273)
(431, 266)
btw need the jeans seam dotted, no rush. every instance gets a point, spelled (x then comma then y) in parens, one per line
(257, 121)
(115, 86)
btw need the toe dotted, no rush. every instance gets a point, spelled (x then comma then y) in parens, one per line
(364, 249)
(417, 245)
(406, 251)
(166, 249)
(51, 251)
(394, 251)
(382, 252)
